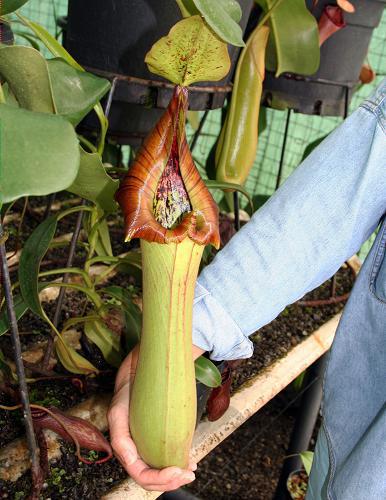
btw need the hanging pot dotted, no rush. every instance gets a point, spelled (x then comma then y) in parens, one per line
(112, 39)
(329, 90)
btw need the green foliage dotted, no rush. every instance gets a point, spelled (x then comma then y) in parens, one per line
(26, 72)
(75, 92)
(293, 45)
(32, 254)
(132, 313)
(207, 372)
(189, 53)
(307, 459)
(8, 6)
(43, 159)
(106, 340)
(222, 16)
(20, 306)
(93, 183)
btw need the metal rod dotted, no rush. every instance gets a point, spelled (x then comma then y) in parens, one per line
(50, 200)
(31, 440)
(62, 292)
(198, 131)
(236, 209)
(279, 174)
(110, 96)
(304, 425)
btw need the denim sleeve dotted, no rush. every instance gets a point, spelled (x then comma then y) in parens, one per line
(317, 219)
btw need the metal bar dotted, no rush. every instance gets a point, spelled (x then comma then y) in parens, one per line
(304, 425)
(27, 417)
(279, 174)
(198, 131)
(62, 292)
(236, 209)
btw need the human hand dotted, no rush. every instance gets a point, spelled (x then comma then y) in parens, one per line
(124, 448)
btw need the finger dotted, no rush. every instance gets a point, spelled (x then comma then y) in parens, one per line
(118, 418)
(192, 465)
(167, 477)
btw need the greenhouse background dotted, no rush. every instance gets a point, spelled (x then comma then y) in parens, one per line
(302, 129)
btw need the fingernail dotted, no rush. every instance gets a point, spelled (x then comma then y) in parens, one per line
(194, 466)
(189, 476)
(177, 474)
(129, 458)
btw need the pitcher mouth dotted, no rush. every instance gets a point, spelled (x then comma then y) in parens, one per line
(163, 197)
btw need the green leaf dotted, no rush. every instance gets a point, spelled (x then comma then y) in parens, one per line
(133, 314)
(223, 17)
(229, 186)
(8, 6)
(56, 49)
(39, 153)
(21, 307)
(307, 459)
(93, 183)
(206, 372)
(31, 39)
(106, 340)
(31, 256)
(71, 360)
(293, 45)
(75, 92)
(103, 242)
(26, 72)
(191, 52)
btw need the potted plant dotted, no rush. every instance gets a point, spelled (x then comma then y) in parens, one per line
(328, 90)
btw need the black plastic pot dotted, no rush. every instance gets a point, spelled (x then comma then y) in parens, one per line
(112, 39)
(6, 34)
(330, 89)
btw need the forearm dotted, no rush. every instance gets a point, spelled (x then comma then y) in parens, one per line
(298, 239)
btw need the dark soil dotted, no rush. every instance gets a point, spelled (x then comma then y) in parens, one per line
(245, 466)
(292, 326)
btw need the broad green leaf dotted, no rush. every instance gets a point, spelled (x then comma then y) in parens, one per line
(8, 6)
(133, 314)
(293, 45)
(31, 256)
(39, 153)
(75, 92)
(206, 372)
(229, 186)
(71, 360)
(56, 49)
(93, 183)
(107, 341)
(307, 459)
(21, 307)
(223, 17)
(26, 72)
(190, 53)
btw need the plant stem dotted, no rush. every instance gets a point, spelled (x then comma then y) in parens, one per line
(31, 440)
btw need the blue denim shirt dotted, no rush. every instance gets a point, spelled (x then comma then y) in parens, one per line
(299, 238)
(318, 218)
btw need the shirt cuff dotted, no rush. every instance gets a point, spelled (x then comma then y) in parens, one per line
(215, 331)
